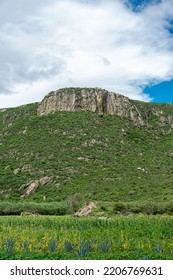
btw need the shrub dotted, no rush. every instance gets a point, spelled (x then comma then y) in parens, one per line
(120, 206)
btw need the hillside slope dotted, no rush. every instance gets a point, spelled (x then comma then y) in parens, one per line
(102, 157)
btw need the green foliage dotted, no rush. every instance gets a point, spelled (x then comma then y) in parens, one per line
(74, 203)
(84, 249)
(88, 158)
(28, 208)
(120, 206)
(122, 237)
(9, 245)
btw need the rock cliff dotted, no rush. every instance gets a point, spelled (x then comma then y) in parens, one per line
(91, 99)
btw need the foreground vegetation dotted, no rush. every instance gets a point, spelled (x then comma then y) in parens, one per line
(122, 237)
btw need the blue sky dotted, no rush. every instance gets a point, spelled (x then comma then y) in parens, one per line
(138, 5)
(163, 91)
(125, 46)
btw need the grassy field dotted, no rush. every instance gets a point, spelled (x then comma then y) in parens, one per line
(67, 237)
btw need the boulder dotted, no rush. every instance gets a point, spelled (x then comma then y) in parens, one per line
(86, 209)
(45, 180)
(31, 189)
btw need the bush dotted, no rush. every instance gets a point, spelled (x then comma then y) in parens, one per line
(54, 208)
(74, 203)
(120, 206)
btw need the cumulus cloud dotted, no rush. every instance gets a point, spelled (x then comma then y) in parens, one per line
(46, 45)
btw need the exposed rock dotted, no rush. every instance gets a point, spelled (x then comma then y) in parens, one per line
(86, 209)
(24, 131)
(103, 102)
(16, 171)
(93, 142)
(91, 99)
(124, 132)
(141, 169)
(27, 213)
(166, 120)
(117, 212)
(83, 158)
(31, 189)
(25, 168)
(45, 180)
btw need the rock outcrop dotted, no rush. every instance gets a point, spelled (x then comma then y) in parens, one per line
(90, 99)
(103, 102)
(31, 187)
(86, 209)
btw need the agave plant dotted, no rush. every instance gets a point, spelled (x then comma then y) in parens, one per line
(159, 249)
(68, 246)
(104, 247)
(9, 245)
(52, 245)
(82, 252)
(84, 249)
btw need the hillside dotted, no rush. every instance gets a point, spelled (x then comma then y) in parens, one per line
(96, 156)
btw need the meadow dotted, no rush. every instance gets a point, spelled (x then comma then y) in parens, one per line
(66, 237)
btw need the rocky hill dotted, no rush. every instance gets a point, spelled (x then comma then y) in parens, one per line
(99, 101)
(88, 143)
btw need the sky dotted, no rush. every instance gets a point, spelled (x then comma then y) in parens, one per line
(125, 46)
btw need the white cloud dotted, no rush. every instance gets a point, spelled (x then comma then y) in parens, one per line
(51, 44)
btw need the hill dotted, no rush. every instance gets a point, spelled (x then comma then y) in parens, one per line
(125, 156)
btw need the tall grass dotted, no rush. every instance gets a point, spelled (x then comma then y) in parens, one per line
(27, 208)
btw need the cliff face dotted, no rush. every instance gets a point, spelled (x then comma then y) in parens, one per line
(91, 99)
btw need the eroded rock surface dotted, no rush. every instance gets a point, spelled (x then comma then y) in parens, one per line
(90, 99)
(103, 102)
(86, 209)
(31, 187)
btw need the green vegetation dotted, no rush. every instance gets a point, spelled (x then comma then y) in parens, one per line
(104, 209)
(84, 157)
(51, 208)
(130, 237)
(101, 157)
